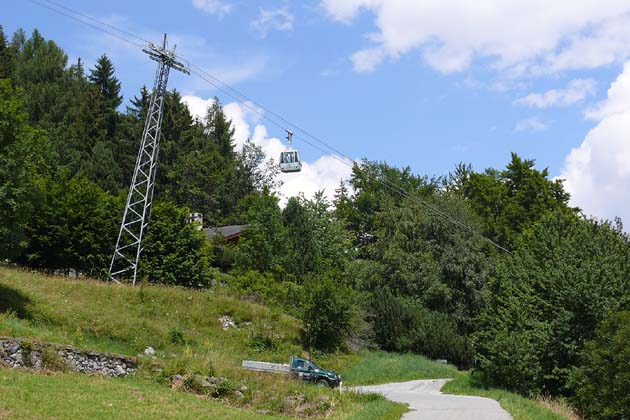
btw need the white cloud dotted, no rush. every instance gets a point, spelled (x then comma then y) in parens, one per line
(597, 173)
(278, 20)
(321, 174)
(367, 60)
(516, 36)
(532, 124)
(617, 101)
(214, 7)
(576, 91)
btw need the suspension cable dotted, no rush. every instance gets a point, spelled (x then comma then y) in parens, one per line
(256, 108)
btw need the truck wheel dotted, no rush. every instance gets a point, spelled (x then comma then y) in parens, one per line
(322, 383)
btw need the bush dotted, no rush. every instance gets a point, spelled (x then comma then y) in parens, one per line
(602, 383)
(404, 325)
(176, 252)
(326, 312)
(177, 336)
(51, 360)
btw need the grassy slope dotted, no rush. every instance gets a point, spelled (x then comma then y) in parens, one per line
(109, 317)
(379, 367)
(28, 395)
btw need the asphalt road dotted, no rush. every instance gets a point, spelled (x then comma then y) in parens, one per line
(428, 403)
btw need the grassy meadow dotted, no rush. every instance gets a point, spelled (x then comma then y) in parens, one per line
(183, 327)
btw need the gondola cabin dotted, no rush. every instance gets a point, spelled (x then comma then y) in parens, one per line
(290, 161)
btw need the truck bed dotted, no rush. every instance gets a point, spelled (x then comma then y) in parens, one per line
(266, 366)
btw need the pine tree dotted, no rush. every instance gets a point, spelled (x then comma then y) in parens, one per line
(6, 58)
(220, 129)
(40, 69)
(103, 76)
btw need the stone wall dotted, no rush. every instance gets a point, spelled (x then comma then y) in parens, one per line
(17, 353)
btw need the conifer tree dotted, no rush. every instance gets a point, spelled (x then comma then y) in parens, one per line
(6, 59)
(103, 76)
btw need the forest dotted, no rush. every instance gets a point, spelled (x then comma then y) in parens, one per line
(490, 269)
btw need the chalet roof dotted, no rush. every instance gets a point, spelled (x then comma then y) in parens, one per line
(228, 232)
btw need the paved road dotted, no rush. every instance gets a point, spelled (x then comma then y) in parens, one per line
(428, 403)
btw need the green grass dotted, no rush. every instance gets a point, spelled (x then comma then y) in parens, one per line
(519, 407)
(371, 368)
(374, 407)
(109, 317)
(27, 395)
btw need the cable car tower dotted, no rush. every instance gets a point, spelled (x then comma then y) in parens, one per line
(140, 197)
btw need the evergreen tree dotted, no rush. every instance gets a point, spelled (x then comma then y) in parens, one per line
(25, 157)
(263, 247)
(102, 77)
(176, 252)
(74, 228)
(102, 168)
(6, 57)
(41, 71)
(219, 129)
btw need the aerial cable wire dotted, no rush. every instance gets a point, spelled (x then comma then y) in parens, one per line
(246, 100)
(79, 19)
(256, 108)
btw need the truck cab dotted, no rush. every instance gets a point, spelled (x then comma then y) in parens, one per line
(308, 371)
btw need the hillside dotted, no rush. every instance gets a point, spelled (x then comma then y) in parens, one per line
(183, 327)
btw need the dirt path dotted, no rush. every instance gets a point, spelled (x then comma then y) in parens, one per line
(428, 403)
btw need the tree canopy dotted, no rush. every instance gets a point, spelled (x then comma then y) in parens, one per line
(383, 264)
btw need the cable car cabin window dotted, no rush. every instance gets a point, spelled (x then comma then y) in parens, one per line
(290, 161)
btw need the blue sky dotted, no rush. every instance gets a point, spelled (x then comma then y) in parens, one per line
(421, 83)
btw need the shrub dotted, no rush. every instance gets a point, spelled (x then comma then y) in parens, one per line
(222, 389)
(262, 341)
(176, 252)
(51, 360)
(177, 336)
(602, 382)
(326, 312)
(404, 325)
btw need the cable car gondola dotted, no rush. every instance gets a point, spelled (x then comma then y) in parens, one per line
(290, 159)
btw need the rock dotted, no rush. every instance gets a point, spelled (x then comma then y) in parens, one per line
(177, 381)
(90, 362)
(227, 322)
(120, 371)
(294, 400)
(239, 395)
(149, 351)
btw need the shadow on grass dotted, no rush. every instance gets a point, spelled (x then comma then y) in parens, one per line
(13, 301)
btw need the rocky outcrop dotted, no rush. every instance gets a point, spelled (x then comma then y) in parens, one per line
(19, 353)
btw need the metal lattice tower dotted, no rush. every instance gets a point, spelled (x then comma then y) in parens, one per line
(138, 208)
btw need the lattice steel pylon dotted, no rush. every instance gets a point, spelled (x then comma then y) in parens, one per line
(140, 197)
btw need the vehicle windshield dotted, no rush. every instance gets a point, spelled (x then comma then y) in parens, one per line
(313, 365)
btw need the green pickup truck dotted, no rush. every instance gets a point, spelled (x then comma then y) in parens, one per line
(300, 368)
(308, 371)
